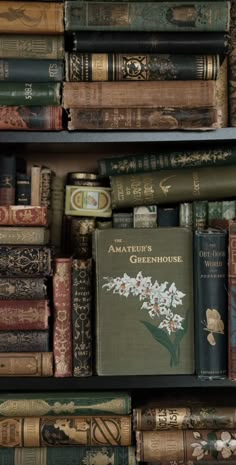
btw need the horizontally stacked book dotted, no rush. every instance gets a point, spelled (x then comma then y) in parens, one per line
(165, 56)
(31, 64)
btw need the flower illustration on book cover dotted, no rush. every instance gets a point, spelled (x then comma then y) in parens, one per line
(218, 445)
(160, 302)
(213, 324)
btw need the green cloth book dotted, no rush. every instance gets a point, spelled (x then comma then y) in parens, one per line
(144, 316)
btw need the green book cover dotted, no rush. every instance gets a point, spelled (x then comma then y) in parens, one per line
(144, 318)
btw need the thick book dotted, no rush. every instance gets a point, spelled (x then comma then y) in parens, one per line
(15, 70)
(7, 179)
(22, 261)
(26, 364)
(211, 302)
(144, 315)
(68, 455)
(143, 118)
(62, 308)
(232, 300)
(178, 186)
(44, 47)
(147, 16)
(31, 118)
(68, 403)
(23, 289)
(21, 215)
(24, 341)
(113, 430)
(30, 93)
(232, 67)
(25, 17)
(140, 67)
(175, 94)
(32, 235)
(24, 314)
(147, 42)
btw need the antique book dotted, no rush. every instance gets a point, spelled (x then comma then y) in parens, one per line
(23, 289)
(17, 215)
(15, 70)
(25, 17)
(232, 300)
(24, 341)
(25, 364)
(32, 235)
(222, 94)
(88, 201)
(137, 272)
(149, 94)
(21, 261)
(62, 326)
(232, 67)
(68, 455)
(140, 67)
(200, 215)
(143, 118)
(147, 16)
(22, 118)
(122, 220)
(82, 317)
(30, 93)
(178, 186)
(24, 314)
(211, 303)
(147, 42)
(7, 179)
(68, 403)
(166, 159)
(192, 447)
(80, 236)
(220, 213)
(186, 215)
(168, 216)
(114, 430)
(145, 216)
(29, 46)
(45, 186)
(57, 211)
(23, 189)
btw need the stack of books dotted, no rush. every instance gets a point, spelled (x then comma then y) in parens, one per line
(31, 65)
(146, 65)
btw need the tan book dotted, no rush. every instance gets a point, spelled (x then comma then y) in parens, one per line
(35, 185)
(24, 235)
(26, 364)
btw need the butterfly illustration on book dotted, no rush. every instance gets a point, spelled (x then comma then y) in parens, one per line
(213, 324)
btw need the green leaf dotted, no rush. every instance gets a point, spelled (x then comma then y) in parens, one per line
(161, 337)
(180, 334)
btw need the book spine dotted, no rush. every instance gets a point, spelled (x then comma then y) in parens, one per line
(122, 220)
(232, 67)
(15, 215)
(22, 289)
(35, 185)
(186, 447)
(222, 94)
(22, 118)
(24, 235)
(24, 314)
(214, 212)
(32, 46)
(155, 161)
(47, 431)
(7, 179)
(186, 215)
(81, 230)
(145, 217)
(30, 93)
(31, 16)
(231, 300)
(62, 328)
(210, 258)
(67, 456)
(22, 261)
(143, 118)
(82, 317)
(57, 209)
(150, 94)
(168, 216)
(45, 187)
(200, 215)
(31, 70)
(23, 189)
(177, 186)
(25, 364)
(151, 16)
(148, 42)
(24, 341)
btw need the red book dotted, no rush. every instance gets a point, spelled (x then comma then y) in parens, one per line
(23, 215)
(24, 314)
(232, 301)
(62, 329)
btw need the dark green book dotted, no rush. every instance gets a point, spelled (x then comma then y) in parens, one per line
(24, 261)
(144, 316)
(30, 94)
(23, 289)
(14, 70)
(24, 341)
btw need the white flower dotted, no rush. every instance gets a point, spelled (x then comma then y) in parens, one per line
(226, 445)
(199, 451)
(172, 323)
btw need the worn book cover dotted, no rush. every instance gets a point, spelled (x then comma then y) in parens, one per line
(23, 289)
(24, 235)
(232, 300)
(32, 46)
(23, 215)
(22, 118)
(24, 314)
(25, 261)
(144, 320)
(24, 341)
(25, 364)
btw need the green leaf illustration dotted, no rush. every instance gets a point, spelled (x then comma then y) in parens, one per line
(212, 438)
(163, 339)
(180, 334)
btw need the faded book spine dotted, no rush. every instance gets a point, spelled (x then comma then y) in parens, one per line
(178, 186)
(67, 431)
(222, 94)
(23, 189)
(25, 17)
(24, 314)
(232, 300)
(31, 118)
(24, 235)
(17, 215)
(7, 179)
(62, 328)
(82, 317)
(45, 187)
(68, 456)
(232, 67)
(22, 289)
(148, 16)
(31, 70)
(30, 93)
(24, 341)
(22, 261)
(143, 118)
(149, 94)
(80, 234)
(57, 210)
(32, 46)
(25, 364)
(186, 446)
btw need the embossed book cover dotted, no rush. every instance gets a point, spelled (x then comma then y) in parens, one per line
(144, 314)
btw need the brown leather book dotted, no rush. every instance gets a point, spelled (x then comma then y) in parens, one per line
(18, 215)
(24, 314)
(26, 364)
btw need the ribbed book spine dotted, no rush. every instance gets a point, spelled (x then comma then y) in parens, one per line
(17, 215)
(24, 314)
(35, 70)
(24, 341)
(22, 261)
(80, 234)
(30, 93)
(25, 364)
(232, 300)
(22, 289)
(45, 187)
(24, 235)
(31, 118)
(62, 328)
(7, 179)
(82, 317)
(32, 46)
(23, 189)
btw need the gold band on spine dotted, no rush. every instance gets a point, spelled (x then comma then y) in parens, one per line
(31, 432)
(47, 364)
(99, 66)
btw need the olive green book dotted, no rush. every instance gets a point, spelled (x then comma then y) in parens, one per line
(144, 314)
